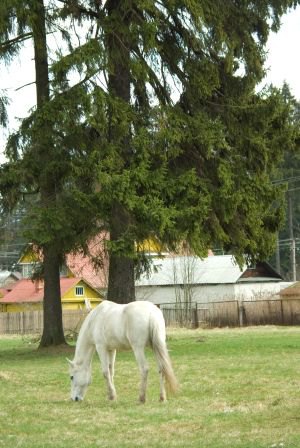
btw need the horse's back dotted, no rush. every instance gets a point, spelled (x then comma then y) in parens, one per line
(141, 319)
(123, 326)
(141, 311)
(107, 325)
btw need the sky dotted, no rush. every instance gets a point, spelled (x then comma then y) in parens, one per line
(283, 64)
(283, 60)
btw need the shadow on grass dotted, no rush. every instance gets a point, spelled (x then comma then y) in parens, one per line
(27, 348)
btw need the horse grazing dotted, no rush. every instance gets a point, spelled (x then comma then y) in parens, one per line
(111, 327)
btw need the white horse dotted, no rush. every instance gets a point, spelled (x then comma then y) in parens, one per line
(110, 327)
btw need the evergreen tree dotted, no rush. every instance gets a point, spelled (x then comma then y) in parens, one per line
(44, 162)
(207, 160)
(29, 19)
(44, 150)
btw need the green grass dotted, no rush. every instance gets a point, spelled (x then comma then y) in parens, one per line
(239, 389)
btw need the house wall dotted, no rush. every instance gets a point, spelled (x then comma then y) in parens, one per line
(155, 294)
(208, 293)
(256, 291)
(29, 257)
(171, 294)
(21, 307)
(72, 302)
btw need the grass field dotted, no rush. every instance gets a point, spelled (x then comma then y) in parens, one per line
(239, 388)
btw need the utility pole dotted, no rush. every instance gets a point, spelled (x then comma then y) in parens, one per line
(292, 239)
(278, 267)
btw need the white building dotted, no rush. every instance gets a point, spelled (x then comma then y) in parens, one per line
(215, 278)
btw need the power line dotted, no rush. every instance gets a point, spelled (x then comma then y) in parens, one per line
(287, 179)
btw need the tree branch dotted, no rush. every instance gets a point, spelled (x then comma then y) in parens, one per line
(25, 85)
(81, 9)
(15, 40)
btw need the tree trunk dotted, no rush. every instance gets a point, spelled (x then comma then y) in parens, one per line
(121, 286)
(53, 333)
(53, 328)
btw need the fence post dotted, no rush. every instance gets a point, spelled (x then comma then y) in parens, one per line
(241, 312)
(196, 320)
(282, 312)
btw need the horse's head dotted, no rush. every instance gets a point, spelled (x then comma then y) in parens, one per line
(80, 380)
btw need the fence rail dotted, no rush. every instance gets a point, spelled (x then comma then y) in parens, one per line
(214, 314)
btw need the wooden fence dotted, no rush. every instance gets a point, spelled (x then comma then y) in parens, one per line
(234, 313)
(215, 314)
(31, 322)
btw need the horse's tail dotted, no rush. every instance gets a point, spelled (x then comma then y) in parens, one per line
(160, 350)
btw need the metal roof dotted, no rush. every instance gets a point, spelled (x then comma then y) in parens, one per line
(213, 270)
(5, 274)
(193, 270)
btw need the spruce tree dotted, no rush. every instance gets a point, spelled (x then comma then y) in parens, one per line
(53, 333)
(43, 161)
(197, 169)
(28, 19)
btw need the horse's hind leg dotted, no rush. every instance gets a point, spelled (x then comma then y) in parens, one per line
(144, 369)
(107, 361)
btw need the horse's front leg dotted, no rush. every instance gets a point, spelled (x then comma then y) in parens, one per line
(107, 365)
(112, 358)
(144, 369)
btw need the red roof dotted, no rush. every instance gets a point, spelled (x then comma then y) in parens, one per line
(82, 266)
(28, 291)
(4, 291)
(96, 274)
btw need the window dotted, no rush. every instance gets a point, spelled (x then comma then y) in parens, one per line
(29, 268)
(79, 290)
(26, 270)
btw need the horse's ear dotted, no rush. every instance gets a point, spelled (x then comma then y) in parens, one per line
(70, 362)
